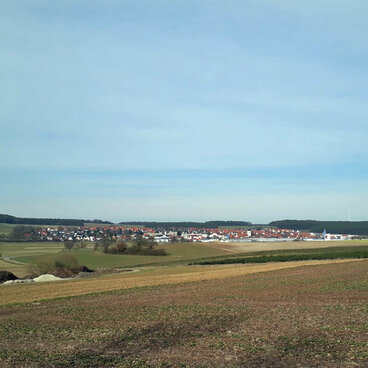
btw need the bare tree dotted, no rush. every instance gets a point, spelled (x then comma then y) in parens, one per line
(69, 244)
(105, 243)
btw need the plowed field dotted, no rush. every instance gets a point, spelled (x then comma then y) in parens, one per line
(309, 316)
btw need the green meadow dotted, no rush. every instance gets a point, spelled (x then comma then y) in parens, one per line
(177, 253)
(25, 249)
(15, 249)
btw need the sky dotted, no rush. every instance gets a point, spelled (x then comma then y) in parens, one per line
(184, 110)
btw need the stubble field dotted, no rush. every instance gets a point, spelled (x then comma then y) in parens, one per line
(23, 293)
(309, 316)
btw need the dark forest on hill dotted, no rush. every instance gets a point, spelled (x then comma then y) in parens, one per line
(8, 219)
(187, 224)
(338, 227)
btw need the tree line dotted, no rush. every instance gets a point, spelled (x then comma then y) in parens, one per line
(314, 226)
(186, 224)
(8, 219)
(21, 233)
(137, 246)
(109, 245)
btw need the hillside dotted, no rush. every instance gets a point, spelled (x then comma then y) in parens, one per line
(188, 224)
(335, 227)
(8, 219)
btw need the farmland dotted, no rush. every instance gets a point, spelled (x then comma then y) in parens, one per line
(248, 247)
(179, 253)
(140, 277)
(32, 252)
(183, 253)
(158, 311)
(31, 249)
(305, 315)
(289, 255)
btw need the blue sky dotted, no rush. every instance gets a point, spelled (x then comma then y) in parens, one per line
(184, 110)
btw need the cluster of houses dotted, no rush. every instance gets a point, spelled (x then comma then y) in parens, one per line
(244, 235)
(93, 234)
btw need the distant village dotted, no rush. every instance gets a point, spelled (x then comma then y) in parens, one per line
(92, 234)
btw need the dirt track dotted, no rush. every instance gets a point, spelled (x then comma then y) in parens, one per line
(34, 292)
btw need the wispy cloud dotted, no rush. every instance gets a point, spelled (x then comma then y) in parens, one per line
(195, 100)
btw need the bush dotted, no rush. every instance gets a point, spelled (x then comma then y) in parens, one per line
(48, 264)
(145, 251)
(69, 244)
(66, 261)
(140, 246)
(133, 250)
(113, 250)
(83, 244)
(121, 247)
(152, 252)
(105, 243)
(32, 271)
(144, 243)
(44, 264)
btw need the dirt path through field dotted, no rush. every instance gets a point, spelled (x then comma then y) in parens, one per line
(22, 293)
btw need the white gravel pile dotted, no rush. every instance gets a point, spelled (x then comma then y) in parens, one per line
(46, 277)
(11, 282)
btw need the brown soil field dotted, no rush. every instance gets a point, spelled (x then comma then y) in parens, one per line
(249, 247)
(22, 293)
(310, 316)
